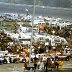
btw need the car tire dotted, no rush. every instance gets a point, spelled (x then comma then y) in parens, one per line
(67, 58)
(23, 60)
(5, 61)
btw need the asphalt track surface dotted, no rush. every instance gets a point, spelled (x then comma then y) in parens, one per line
(39, 10)
(67, 67)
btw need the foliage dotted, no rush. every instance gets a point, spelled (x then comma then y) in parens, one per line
(57, 3)
(62, 3)
(46, 2)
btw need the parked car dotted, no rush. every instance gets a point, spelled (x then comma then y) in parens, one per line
(63, 57)
(44, 56)
(3, 60)
(21, 59)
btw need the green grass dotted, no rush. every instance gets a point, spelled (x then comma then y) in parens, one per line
(8, 25)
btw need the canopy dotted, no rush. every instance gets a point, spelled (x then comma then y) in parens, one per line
(41, 27)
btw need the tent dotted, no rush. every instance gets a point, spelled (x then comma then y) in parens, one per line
(41, 27)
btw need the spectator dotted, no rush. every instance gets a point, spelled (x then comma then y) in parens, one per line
(35, 62)
(56, 65)
(41, 65)
(25, 64)
(46, 66)
(61, 64)
(10, 59)
(53, 65)
(38, 64)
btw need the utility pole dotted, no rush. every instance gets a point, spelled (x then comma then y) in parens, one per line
(32, 31)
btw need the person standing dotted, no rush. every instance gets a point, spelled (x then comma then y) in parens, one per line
(25, 65)
(10, 59)
(41, 65)
(46, 66)
(35, 62)
(56, 65)
(38, 64)
(61, 64)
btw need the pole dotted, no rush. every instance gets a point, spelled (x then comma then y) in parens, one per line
(32, 31)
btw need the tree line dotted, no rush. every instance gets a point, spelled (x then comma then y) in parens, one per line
(53, 3)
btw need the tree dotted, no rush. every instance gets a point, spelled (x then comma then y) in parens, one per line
(46, 2)
(29, 2)
(62, 3)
